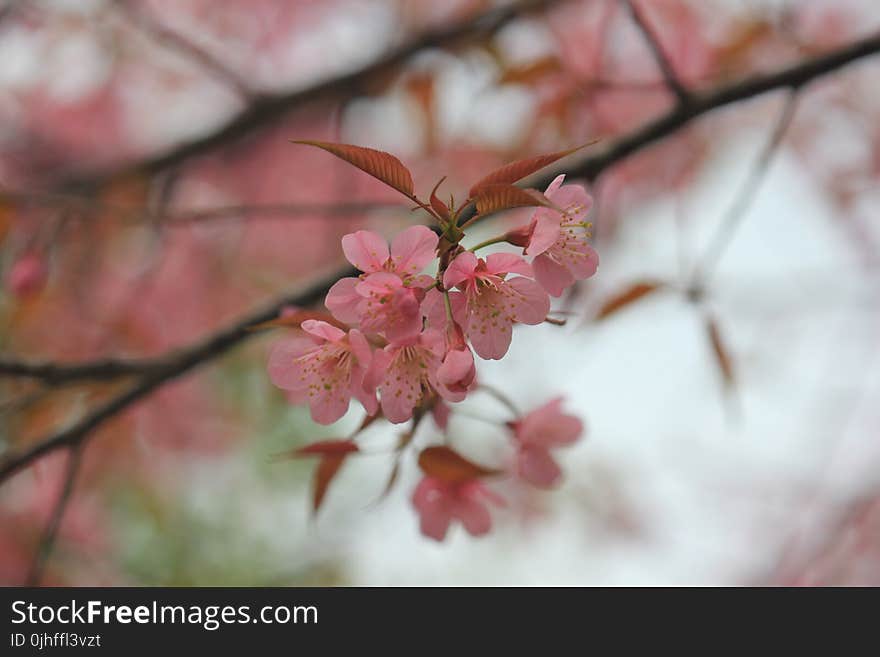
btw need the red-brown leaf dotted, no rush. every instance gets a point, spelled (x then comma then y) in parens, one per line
(494, 198)
(327, 469)
(515, 171)
(446, 464)
(327, 448)
(294, 320)
(379, 164)
(628, 296)
(532, 72)
(439, 206)
(722, 356)
(319, 448)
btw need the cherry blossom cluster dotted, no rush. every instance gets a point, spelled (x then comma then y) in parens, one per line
(401, 338)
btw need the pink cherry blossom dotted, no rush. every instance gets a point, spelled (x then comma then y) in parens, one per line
(560, 242)
(389, 307)
(439, 502)
(410, 251)
(493, 302)
(385, 299)
(457, 372)
(326, 368)
(407, 373)
(538, 432)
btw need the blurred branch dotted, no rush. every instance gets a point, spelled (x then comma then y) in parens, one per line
(50, 535)
(171, 217)
(793, 77)
(167, 368)
(175, 41)
(52, 373)
(181, 362)
(737, 211)
(270, 108)
(669, 75)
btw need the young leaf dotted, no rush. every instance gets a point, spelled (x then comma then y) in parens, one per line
(320, 448)
(332, 454)
(722, 357)
(293, 320)
(446, 464)
(379, 164)
(327, 469)
(532, 72)
(494, 198)
(628, 296)
(439, 206)
(518, 170)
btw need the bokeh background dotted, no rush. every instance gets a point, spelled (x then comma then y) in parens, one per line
(733, 424)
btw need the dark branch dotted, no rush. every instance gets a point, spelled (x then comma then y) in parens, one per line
(52, 373)
(50, 535)
(669, 75)
(168, 368)
(590, 167)
(177, 42)
(268, 109)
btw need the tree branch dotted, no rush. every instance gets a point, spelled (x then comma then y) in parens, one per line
(669, 75)
(188, 359)
(169, 368)
(175, 41)
(52, 373)
(50, 535)
(270, 108)
(743, 200)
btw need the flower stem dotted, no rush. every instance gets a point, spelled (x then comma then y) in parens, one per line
(494, 240)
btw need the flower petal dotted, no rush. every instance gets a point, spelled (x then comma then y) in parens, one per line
(460, 269)
(546, 226)
(507, 263)
(529, 301)
(342, 300)
(366, 250)
(283, 370)
(553, 186)
(552, 276)
(430, 499)
(473, 513)
(322, 330)
(548, 426)
(536, 466)
(413, 249)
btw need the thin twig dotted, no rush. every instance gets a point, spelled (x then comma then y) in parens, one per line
(669, 75)
(268, 109)
(171, 367)
(738, 210)
(178, 42)
(50, 535)
(793, 77)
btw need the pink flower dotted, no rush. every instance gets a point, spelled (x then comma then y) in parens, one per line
(492, 302)
(457, 372)
(560, 242)
(536, 433)
(410, 251)
(27, 276)
(389, 307)
(439, 502)
(386, 298)
(327, 368)
(407, 373)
